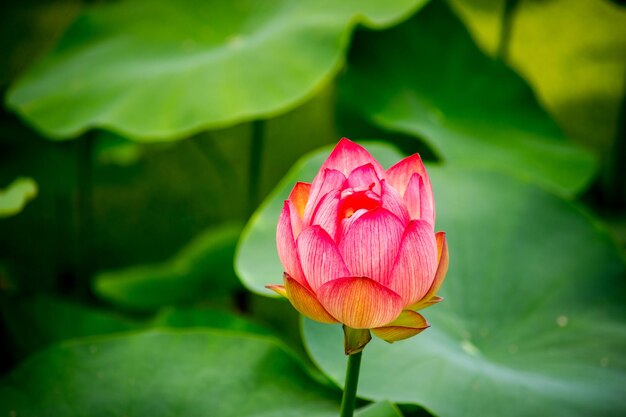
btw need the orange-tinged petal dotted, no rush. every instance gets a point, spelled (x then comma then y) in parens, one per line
(408, 324)
(286, 244)
(359, 302)
(279, 289)
(299, 196)
(442, 269)
(320, 257)
(414, 268)
(425, 303)
(305, 302)
(370, 244)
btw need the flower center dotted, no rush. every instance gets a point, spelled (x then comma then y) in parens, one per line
(353, 201)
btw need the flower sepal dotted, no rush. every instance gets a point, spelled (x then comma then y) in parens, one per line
(355, 340)
(408, 324)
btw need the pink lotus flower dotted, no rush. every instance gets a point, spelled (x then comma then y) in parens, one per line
(358, 244)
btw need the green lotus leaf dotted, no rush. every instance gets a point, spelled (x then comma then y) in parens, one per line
(533, 319)
(175, 373)
(202, 269)
(162, 70)
(428, 79)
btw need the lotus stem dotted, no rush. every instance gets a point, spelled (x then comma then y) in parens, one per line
(352, 381)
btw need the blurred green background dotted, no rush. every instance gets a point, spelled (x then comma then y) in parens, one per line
(146, 148)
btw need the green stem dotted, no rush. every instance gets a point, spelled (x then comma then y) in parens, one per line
(352, 380)
(507, 29)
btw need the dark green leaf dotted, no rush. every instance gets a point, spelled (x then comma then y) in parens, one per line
(206, 317)
(202, 269)
(427, 78)
(34, 323)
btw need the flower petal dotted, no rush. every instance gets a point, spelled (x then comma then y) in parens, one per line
(400, 174)
(279, 289)
(408, 324)
(370, 244)
(296, 221)
(320, 258)
(326, 181)
(412, 196)
(347, 156)
(305, 302)
(359, 302)
(427, 204)
(364, 178)
(414, 267)
(286, 244)
(299, 197)
(424, 303)
(442, 269)
(392, 201)
(326, 215)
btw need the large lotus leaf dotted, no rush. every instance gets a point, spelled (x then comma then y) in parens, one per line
(160, 70)
(190, 373)
(256, 259)
(202, 269)
(533, 321)
(206, 317)
(426, 77)
(16, 195)
(571, 52)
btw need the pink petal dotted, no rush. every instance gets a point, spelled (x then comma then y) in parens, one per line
(412, 196)
(408, 324)
(286, 245)
(326, 215)
(370, 244)
(364, 178)
(393, 202)
(427, 204)
(347, 156)
(320, 258)
(400, 174)
(299, 197)
(442, 269)
(305, 302)
(326, 181)
(359, 302)
(296, 221)
(414, 267)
